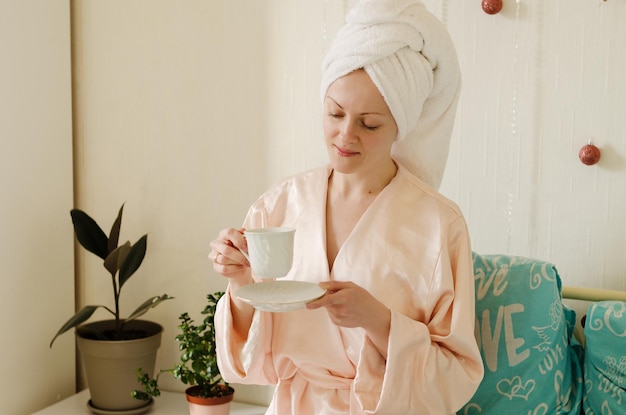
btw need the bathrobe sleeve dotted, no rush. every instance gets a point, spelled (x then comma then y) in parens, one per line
(253, 360)
(433, 365)
(241, 360)
(245, 361)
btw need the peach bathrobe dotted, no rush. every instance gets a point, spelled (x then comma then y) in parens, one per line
(411, 251)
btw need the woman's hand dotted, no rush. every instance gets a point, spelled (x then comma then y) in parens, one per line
(227, 257)
(350, 305)
(229, 261)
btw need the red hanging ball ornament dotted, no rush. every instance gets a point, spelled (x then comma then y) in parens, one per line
(589, 154)
(492, 6)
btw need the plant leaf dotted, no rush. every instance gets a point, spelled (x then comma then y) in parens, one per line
(116, 258)
(114, 235)
(82, 315)
(133, 260)
(147, 305)
(89, 233)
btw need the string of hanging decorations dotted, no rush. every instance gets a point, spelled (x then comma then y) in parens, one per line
(589, 154)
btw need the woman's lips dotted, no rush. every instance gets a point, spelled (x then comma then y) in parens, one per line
(345, 153)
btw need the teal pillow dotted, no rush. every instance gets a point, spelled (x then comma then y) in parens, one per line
(605, 358)
(525, 336)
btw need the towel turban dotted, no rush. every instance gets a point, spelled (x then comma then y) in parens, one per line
(410, 57)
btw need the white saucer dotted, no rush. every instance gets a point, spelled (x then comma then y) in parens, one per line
(280, 296)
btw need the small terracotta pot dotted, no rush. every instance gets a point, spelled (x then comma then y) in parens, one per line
(208, 406)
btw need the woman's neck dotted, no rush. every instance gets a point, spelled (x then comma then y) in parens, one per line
(362, 185)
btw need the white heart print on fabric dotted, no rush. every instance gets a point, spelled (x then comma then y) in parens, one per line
(513, 388)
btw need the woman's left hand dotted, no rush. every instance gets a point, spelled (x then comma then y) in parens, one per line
(350, 305)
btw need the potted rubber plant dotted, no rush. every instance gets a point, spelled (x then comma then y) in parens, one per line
(207, 393)
(110, 347)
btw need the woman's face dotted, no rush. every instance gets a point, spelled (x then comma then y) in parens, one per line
(358, 127)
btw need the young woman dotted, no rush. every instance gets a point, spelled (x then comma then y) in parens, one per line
(394, 333)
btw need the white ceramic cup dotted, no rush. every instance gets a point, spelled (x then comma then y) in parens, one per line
(270, 251)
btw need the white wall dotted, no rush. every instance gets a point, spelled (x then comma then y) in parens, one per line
(171, 119)
(538, 85)
(36, 241)
(187, 110)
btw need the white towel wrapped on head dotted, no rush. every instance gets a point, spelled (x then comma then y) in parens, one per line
(408, 54)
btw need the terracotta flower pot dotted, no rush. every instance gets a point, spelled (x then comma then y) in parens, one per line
(110, 365)
(208, 406)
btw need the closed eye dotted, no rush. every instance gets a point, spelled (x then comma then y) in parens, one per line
(370, 127)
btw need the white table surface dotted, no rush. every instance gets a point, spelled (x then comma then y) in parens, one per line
(169, 403)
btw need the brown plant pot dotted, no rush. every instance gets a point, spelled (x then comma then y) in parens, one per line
(110, 365)
(208, 406)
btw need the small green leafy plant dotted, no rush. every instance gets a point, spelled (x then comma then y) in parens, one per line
(198, 361)
(120, 261)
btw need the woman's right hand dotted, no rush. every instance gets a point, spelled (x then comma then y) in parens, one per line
(230, 262)
(227, 257)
